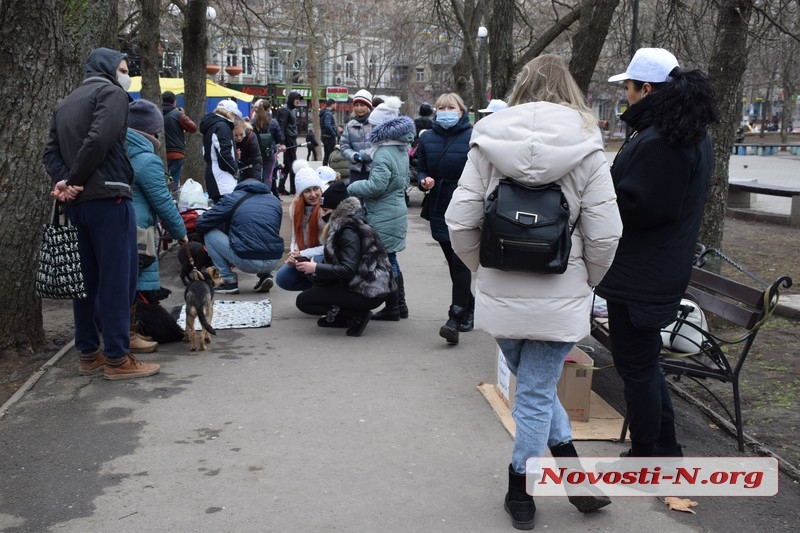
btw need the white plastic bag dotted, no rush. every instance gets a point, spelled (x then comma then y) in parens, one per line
(192, 195)
(680, 337)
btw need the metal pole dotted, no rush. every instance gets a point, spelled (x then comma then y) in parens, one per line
(635, 28)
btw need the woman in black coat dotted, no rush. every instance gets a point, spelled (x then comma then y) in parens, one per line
(249, 151)
(661, 176)
(442, 155)
(356, 276)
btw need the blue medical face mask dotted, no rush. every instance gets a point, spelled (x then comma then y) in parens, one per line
(447, 119)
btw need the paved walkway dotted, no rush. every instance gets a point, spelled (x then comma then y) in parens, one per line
(294, 428)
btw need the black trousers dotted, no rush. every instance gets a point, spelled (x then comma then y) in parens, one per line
(329, 144)
(635, 349)
(319, 299)
(289, 157)
(460, 276)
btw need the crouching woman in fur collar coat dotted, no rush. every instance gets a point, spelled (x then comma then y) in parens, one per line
(356, 276)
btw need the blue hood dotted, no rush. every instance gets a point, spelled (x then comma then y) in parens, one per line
(397, 129)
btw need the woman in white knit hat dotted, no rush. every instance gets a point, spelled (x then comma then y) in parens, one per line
(305, 218)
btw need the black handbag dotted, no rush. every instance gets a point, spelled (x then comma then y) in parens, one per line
(425, 211)
(59, 276)
(526, 229)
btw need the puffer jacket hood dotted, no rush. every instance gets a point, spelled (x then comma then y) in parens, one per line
(397, 129)
(530, 146)
(211, 120)
(104, 61)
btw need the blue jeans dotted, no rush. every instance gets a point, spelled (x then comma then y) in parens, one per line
(219, 249)
(540, 418)
(110, 265)
(289, 278)
(175, 168)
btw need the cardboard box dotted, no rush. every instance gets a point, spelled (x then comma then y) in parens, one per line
(574, 387)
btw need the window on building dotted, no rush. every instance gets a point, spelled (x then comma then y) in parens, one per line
(373, 68)
(232, 57)
(247, 61)
(274, 68)
(350, 66)
(420, 74)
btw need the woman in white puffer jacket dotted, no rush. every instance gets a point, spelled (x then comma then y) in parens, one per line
(547, 135)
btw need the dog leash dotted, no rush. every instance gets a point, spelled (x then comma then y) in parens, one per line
(195, 274)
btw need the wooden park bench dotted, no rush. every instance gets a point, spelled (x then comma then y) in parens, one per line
(741, 308)
(739, 195)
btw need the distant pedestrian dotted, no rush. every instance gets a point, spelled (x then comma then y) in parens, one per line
(328, 129)
(219, 149)
(176, 124)
(311, 144)
(248, 151)
(288, 123)
(354, 142)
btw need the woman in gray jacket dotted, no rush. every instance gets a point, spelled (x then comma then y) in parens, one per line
(536, 319)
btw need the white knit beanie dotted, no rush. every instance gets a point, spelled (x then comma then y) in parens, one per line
(305, 176)
(389, 109)
(326, 174)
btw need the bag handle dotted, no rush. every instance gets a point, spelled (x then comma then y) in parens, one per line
(55, 215)
(235, 207)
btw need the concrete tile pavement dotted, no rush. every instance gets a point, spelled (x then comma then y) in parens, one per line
(294, 428)
(288, 428)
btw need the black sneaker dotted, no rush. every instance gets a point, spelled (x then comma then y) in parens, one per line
(228, 287)
(265, 283)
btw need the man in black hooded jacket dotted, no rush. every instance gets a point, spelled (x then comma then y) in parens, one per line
(86, 157)
(288, 124)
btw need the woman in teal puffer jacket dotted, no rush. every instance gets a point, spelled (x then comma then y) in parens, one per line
(151, 198)
(383, 193)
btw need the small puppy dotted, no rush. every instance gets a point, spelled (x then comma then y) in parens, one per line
(201, 261)
(199, 296)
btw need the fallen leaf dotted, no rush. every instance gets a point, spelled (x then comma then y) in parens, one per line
(680, 504)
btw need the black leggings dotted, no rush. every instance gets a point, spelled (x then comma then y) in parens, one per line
(459, 275)
(319, 299)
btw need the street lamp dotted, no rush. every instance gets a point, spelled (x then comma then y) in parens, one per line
(482, 34)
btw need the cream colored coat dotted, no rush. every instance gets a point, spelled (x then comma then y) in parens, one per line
(535, 144)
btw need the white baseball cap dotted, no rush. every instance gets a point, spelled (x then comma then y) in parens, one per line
(651, 65)
(231, 106)
(494, 106)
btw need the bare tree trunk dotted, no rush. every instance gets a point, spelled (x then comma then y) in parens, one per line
(501, 47)
(195, 44)
(587, 43)
(150, 37)
(726, 70)
(36, 40)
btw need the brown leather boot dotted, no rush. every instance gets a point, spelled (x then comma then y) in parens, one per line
(138, 344)
(128, 367)
(91, 364)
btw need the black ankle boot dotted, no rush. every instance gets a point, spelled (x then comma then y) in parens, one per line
(585, 498)
(450, 329)
(390, 310)
(519, 504)
(402, 308)
(468, 322)
(358, 323)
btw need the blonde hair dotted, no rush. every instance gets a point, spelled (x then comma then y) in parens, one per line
(450, 99)
(547, 79)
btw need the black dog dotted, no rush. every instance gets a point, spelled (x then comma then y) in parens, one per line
(201, 261)
(156, 322)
